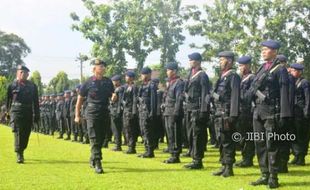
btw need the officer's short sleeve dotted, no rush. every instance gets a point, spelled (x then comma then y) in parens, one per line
(84, 89)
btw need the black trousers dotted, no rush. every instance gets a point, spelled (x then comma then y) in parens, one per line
(174, 134)
(116, 127)
(225, 130)
(21, 127)
(73, 126)
(197, 135)
(301, 129)
(97, 132)
(148, 131)
(130, 124)
(267, 149)
(245, 126)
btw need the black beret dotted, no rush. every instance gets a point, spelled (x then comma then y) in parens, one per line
(78, 86)
(282, 58)
(99, 62)
(146, 70)
(297, 66)
(271, 44)
(229, 54)
(60, 94)
(195, 56)
(130, 74)
(53, 95)
(116, 77)
(245, 59)
(172, 66)
(23, 68)
(68, 92)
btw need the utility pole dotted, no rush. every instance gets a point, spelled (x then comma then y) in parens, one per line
(81, 58)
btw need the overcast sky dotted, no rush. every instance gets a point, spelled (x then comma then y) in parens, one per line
(45, 26)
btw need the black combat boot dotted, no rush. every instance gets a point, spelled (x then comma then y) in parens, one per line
(105, 144)
(244, 163)
(20, 158)
(148, 154)
(300, 160)
(117, 148)
(228, 171)
(220, 171)
(131, 150)
(273, 181)
(263, 180)
(294, 160)
(98, 167)
(172, 160)
(75, 138)
(196, 164)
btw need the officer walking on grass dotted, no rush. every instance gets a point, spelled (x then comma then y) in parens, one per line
(23, 105)
(97, 90)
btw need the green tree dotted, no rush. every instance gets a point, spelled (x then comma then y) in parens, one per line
(59, 83)
(3, 88)
(12, 49)
(36, 79)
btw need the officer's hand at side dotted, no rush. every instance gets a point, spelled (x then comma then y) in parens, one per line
(77, 119)
(114, 97)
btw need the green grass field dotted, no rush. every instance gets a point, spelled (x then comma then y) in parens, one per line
(56, 164)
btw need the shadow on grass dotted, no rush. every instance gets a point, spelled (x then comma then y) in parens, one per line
(41, 161)
(149, 170)
(306, 184)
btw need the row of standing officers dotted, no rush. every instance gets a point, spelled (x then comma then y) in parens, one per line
(272, 100)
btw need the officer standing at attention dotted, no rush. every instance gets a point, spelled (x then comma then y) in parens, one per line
(196, 91)
(270, 92)
(174, 113)
(245, 120)
(130, 113)
(97, 90)
(116, 112)
(73, 126)
(23, 105)
(147, 111)
(59, 115)
(226, 98)
(66, 111)
(301, 126)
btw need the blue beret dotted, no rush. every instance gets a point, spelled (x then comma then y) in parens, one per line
(195, 56)
(99, 62)
(23, 68)
(297, 66)
(116, 77)
(271, 44)
(130, 74)
(156, 80)
(245, 59)
(146, 70)
(172, 66)
(229, 54)
(282, 58)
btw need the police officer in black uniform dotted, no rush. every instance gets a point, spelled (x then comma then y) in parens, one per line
(226, 97)
(245, 120)
(116, 112)
(59, 115)
(147, 97)
(66, 112)
(130, 112)
(52, 114)
(23, 105)
(197, 108)
(73, 125)
(270, 92)
(97, 90)
(301, 128)
(174, 113)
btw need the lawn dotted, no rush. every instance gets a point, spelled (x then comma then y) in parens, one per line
(57, 164)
